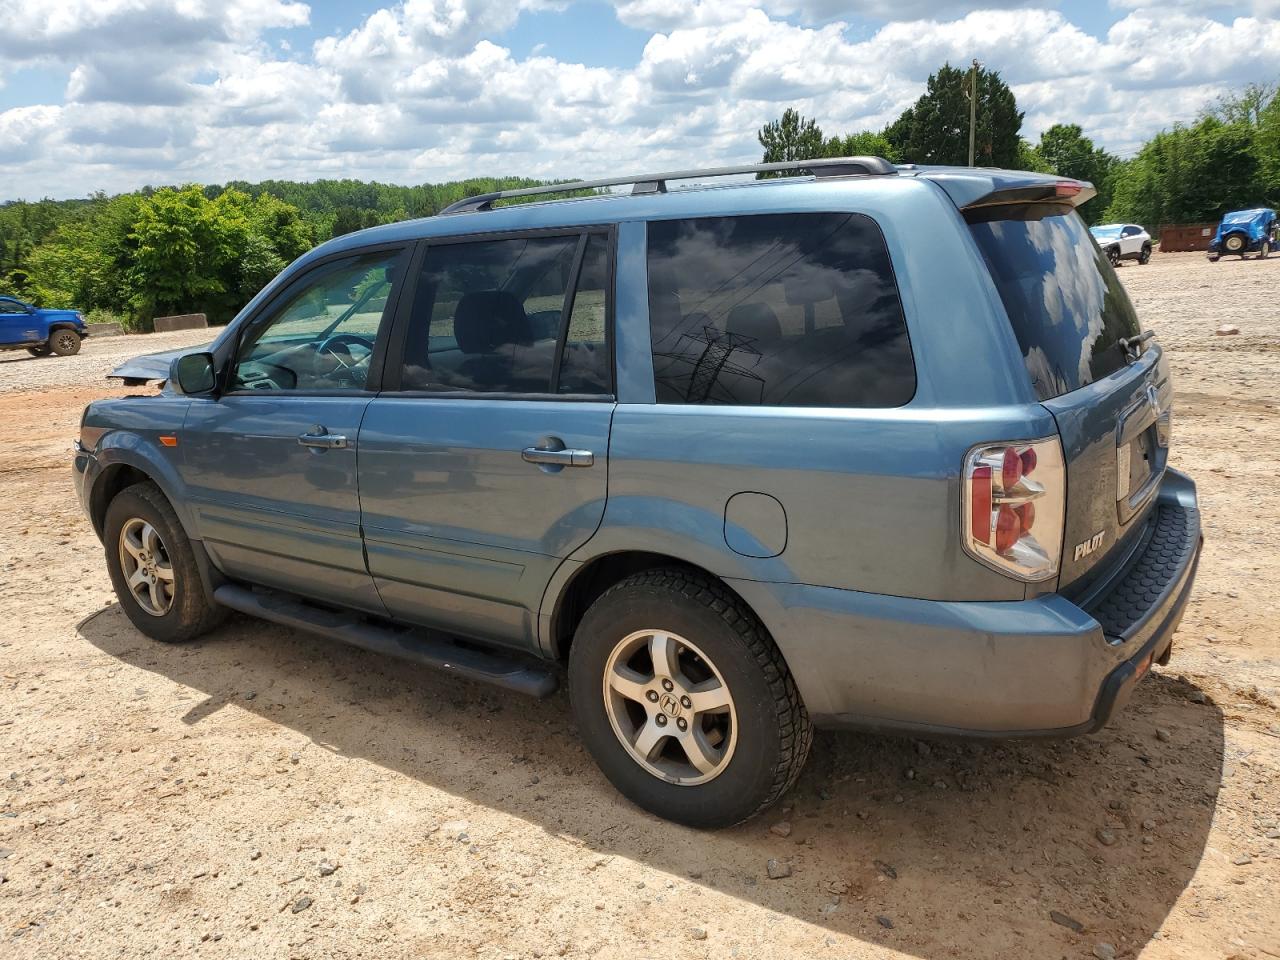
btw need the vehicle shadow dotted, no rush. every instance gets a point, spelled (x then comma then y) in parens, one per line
(934, 848)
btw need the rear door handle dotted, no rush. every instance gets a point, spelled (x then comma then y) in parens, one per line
(321, 439)
(558, 458)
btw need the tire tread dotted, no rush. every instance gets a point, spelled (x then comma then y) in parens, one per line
(201, 614)
(795, 727)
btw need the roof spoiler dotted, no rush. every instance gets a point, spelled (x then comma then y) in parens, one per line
(972, 189)
(657, 182)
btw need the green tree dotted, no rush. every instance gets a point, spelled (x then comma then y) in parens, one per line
(865, 143)
(187, 247)
(936, 128)
(1246, 105)
(1267, 144)
(1030, 158)
(1191, 175)
(792, 137)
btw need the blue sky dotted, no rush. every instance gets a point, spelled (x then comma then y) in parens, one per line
(115, 94)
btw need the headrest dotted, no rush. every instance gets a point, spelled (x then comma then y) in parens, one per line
(754, 320)
(487, 319)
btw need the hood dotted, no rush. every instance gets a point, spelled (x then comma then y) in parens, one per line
(151, 366)
(48, 313)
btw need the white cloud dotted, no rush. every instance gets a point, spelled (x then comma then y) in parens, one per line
(164, 92)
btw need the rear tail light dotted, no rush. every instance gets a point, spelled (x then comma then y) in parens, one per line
(1014, 499)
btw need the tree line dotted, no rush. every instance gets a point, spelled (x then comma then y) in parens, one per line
(1227, 159)
(140, 255)
(211, 248)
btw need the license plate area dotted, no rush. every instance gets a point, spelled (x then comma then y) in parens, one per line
(1141, 454)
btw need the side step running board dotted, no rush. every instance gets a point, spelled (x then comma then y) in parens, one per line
(523, 675)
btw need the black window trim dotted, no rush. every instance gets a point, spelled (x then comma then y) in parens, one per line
(393, 369)
(380, 347)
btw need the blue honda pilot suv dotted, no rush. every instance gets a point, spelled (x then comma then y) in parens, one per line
(870, 446)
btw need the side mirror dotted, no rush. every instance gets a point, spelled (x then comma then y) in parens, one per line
(193, 373)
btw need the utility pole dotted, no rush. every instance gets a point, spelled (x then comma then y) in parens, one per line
(973, 106)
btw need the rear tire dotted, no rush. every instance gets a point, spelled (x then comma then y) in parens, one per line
(41, 351)
(1145, 256)
(153, 567)
(65, 343)
(684, 700)
(1234, 243)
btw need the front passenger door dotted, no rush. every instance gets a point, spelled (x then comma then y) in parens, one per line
(16, 323)
(270, 465)
(1130, 243)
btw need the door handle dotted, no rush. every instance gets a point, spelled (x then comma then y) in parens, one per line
(558, 458)
(321, 439)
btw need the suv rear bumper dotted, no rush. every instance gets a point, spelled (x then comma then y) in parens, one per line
(1040, 667)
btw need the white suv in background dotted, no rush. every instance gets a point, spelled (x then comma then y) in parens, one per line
(1123, 241)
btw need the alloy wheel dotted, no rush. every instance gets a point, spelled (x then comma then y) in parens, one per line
(147, 568)
(670, 707)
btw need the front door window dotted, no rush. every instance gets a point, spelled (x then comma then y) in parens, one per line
(323, 335)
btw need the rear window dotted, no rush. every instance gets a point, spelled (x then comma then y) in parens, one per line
(1068, 309)
(797, 310)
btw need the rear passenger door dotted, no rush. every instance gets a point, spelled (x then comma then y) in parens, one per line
(483, 464)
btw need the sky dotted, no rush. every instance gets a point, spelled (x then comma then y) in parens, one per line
(117, 94)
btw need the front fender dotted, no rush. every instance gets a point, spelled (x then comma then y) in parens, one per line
(126, 433)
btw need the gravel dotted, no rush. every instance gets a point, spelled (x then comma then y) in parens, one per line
(20, 371)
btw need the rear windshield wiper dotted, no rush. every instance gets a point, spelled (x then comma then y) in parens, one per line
(1133, 345)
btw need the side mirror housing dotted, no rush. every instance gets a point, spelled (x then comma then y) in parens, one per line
(194, 373)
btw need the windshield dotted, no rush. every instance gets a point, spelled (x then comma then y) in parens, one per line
(1067, 307)
(1105, 231)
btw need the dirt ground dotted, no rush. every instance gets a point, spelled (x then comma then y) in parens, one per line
(262, 793)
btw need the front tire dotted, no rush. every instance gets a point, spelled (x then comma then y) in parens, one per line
(1265, 250)
(1113, 255)
(65, 343)
(684, 700)
(153, 567)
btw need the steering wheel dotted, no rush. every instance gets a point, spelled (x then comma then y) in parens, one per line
(339, 347)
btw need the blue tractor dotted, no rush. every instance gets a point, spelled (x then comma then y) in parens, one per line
(1245, 231)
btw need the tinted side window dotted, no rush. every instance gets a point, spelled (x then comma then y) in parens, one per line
(586, 363)
(487, 315)
(322, 336)
(780, 310)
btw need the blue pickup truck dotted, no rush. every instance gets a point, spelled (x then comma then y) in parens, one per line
(39, 331)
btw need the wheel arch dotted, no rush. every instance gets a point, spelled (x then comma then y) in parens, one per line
(128, 460)
(596, 576)
(114, 478)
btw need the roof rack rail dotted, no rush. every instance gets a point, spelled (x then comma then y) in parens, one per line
(657, 182)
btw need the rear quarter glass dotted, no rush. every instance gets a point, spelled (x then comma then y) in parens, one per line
(788, 310)
(1067, 307)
